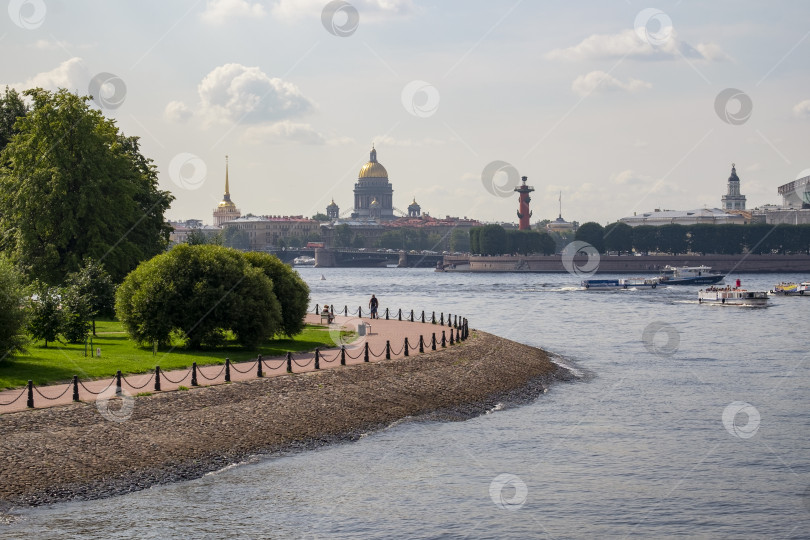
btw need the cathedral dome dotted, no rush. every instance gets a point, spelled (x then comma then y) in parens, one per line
(373, 169)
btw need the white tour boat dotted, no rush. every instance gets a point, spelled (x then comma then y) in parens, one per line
(732, 296)
(304, 261)
(792, 289)
(626, 283)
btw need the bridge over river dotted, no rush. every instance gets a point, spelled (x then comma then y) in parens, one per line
(360, 258)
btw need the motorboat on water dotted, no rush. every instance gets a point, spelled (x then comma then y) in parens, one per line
(626, 283)
(689, 275)
(304, 261)
(732, 296)
(787, 288)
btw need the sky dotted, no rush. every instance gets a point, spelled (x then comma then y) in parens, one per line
(618, 106)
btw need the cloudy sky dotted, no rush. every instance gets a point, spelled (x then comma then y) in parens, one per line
(622, 105)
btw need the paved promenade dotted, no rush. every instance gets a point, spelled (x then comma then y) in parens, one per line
(382, 331)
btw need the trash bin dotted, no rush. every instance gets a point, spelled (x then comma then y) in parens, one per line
(361, 329)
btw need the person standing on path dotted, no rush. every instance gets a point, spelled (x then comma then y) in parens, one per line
(372, 304)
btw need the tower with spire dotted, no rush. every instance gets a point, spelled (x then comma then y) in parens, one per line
(414, 210)
(226, 210)
(733, 200)
(523, 213)
(333, 210)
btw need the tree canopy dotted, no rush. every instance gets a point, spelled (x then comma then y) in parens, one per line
(292, 292)
(72, 186)
(201, 292)
(13, 316)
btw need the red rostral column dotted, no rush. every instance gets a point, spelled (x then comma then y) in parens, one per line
(523, 212)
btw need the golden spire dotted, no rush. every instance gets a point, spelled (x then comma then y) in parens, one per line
(227, 187)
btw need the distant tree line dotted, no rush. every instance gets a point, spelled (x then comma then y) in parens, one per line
(757, 238)
(495, 240)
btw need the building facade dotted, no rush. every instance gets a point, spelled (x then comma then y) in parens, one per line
(264, 232)
(226, 210)
(733, 200)
(712, 216)
(373, 193)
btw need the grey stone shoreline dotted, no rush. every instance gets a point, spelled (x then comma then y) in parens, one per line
(74, 453)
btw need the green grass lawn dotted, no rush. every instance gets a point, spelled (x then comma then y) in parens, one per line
(60, 362)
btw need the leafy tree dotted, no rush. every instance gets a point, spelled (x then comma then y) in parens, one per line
(618, 237)
(94, 284)
(199, 292)
(45, 321)
(703, 238)
(76, 314)
(292, 292)
(236, 238)
(645, 238)
(13, 315)
(12, 107)
(492, 240)
(433, 242)
(196, 238)
(547, 245)
(672, 238)
(358, 242)
(475, 240)
(343, 235)
(391, 240)
(460, 240)
(730, 239)
(71, 186)
(296, 242)
(592, 233)
(320, 216)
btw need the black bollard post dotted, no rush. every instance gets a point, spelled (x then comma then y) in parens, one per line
(75, 388)
(452, 342)
(194, 374)
(423, 315)
(444, 341)
(405, 348)
(411, 315)
(455, 321)
(118, 383)
(316, 309)
(441, 321)
(227, 370)
(346, 310)
(433, 318)
(30, 394)
(365, 352)
(449, 321)
(157, 378)
(259, 372)
(317, 359)
(433, 342)
(360, 311)
(289, 362)
(458, 334)
(421, 344)
(387, 350)
(399, 314)
(386, 314)
(343, 355)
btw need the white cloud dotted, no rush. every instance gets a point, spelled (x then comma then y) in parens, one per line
(369, 10)
(219, 11)
(289, 132)
(630, 177)
(802, 109)
(387, 140)
(629, 44)
(71, 74)
(177, 111)
(235, 93)
(48, 45)
(597, 81)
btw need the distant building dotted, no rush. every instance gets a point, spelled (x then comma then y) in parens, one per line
(373, 194)
(414, 210)
(732, 200)
(226, 210)
(333, 210)
(269, 231)
(713, 216)
(559, 225)
(181, 230)
(796, 194)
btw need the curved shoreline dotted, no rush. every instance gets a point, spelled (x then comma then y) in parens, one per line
(74, 453)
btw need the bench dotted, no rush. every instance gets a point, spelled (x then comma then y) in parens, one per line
(326, 317)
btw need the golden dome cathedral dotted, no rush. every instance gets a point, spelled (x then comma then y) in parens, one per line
(373, 168)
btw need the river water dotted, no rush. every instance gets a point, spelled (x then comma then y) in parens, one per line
(686, 420)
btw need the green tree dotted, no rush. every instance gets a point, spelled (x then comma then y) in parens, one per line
(492, 240)
(703, 238)
(198, 292)
(71, 186)
(343, 236)
(45, 321)
(475, 240)
(94, 284)
(292, 292)
(196, 238)
(391, 240)
(672, 238)
(618, 237)
(358, 241)
(547, 245)
(593, 234)
(460, 240)
(645, 238)
(13, 315)
(320, 216)
(12, 107)
(76, 314)
(236, 238)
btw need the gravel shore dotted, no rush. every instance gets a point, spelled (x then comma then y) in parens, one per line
(75, 453)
